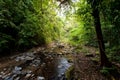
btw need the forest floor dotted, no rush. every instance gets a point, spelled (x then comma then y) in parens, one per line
(87, 66)
(50, 63)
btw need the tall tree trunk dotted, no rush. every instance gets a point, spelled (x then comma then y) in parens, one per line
(95, 13)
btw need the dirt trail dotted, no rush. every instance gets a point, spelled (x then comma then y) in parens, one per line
(85, 67)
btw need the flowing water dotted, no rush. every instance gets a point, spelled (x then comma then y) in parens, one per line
(31, 66)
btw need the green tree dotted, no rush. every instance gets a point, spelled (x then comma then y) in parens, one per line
(95, 14)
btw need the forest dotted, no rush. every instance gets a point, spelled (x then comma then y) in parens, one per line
(59, 40)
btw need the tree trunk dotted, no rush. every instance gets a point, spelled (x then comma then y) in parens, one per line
(95, 13)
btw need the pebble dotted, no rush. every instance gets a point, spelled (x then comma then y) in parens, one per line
(27, 75)
(59, 75)
(18, 68)
(4, 69)
(60, 66)
(2, 73)
(29, 58)
(40, 78)
(29, 72)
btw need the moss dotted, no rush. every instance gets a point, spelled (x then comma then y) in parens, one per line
(69, 72)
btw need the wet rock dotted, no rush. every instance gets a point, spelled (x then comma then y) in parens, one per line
(25, 56)
(9, 78)
(62, 74)
(20, 58)
(17, 70)
(59, 75)
(29, 58)
(29, 72)
(40, 78)
(14, 75)
(36, 62)
(60, 66)
(6, 78)
(28, 75)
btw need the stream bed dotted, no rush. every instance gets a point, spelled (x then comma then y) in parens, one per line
(36, 66)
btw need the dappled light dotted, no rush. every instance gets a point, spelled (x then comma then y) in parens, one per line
(59, 40)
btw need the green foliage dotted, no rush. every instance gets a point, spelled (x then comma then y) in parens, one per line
(107, 71)
(27, 23)
(113, 53)
(6, 43)
(110, 19)
(84, 32)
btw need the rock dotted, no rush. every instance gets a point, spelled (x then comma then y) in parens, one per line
(62, 74)
(40, 78)
(32, 75)
(6, 78)
(18, 78)
(28, 75)
(60, 66)
(18, 68)
(29, 58)
(4, 69)
(20, 58)
(17, 59)
(29, 72)
(2, 73)
(14, 75)
(60, 53)
(36, 62)
(59, 75)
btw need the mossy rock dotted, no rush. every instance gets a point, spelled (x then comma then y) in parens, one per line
(69, 73)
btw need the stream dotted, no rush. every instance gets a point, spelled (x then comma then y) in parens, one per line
(40, 65)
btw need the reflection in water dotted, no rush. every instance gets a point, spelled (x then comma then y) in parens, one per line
(61, 65)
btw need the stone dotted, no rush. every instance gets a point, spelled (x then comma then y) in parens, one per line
(29, 58)
(4, 69)
(40, 78)
(6, 78)
(2, 73)
(60, 66)
(28, 75)
(29, 72)
(18, 68)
